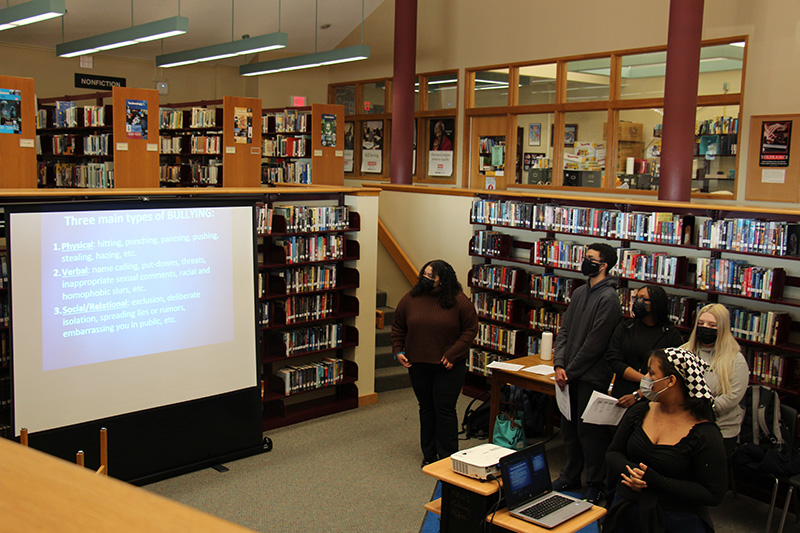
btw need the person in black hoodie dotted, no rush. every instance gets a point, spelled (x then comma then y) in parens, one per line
(580, 363)
(634, 339)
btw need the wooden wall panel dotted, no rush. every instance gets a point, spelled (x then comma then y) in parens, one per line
(136, 160)
(760, 186)
(18, 150)
(241, 163)
(327, 162)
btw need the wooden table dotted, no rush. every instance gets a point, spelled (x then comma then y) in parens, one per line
(471, 496)
(39, 492)
(527, 380)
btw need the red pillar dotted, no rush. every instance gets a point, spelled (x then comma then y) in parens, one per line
(405, 57)
(680, 98)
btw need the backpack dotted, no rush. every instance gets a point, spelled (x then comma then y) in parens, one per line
(762, 424)
(476, 421)
(534, 406)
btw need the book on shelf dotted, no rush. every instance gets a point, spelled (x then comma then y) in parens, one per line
(94, 116)
(549, 286)
(546, 319)
(497, 277)
(66, 115)
(203, 117)
(310, 376)
(752, 236)
(170, 119)
(479, 360)
(559, 254)
(312, 338)
(773, 368)
(494, 307)
(497, 337)
(310, 219)
(300, 249)
(737, 277)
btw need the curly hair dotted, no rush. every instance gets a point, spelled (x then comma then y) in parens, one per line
(449, 286)
(700, 408)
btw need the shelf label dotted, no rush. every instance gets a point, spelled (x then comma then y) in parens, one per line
(317, 153)
(230, 149)
(122, 147)
(26, 143)
(339, 153)
(255, 150)
(773, 175)
(152, 147)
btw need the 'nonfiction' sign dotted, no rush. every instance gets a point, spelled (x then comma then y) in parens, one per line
(90, 81)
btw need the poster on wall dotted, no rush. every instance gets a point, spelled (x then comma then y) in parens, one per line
(440, 164)
(372, 147)
(442, 133)
(776, 136)
(242, 125)
(10, 111)
(349, 146)
(534, 134)
(329, 130)
(136, 119)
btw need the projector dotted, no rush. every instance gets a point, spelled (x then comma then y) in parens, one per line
(480, 461)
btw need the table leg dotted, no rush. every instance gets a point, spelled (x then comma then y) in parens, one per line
(494, 402)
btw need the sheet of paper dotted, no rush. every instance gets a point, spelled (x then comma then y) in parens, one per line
(543, 370)
(504, 366)
(562, 400)
(602, 409)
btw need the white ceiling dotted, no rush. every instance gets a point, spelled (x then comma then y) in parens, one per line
(209, 23)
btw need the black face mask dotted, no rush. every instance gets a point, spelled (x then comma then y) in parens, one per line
(426, 284)
(590, 268)
(639, 309)
(706, 335)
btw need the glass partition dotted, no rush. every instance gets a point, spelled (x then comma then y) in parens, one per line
(721, 69)
(345, 95)
(443, 91)
(639, 148)
(491, 88)
(716, 146)
(643, 75)
(588, 79)
(537, 84)
(535, 158)
(584, 148)
(374, 97)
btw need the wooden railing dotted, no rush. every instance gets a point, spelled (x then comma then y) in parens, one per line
(397, 254)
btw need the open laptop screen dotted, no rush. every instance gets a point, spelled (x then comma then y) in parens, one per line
(525, 475)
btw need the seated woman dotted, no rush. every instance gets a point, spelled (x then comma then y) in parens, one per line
(728, 375)
(634, 339)
(667, 455)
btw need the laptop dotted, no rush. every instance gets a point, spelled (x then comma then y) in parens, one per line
(529, 493)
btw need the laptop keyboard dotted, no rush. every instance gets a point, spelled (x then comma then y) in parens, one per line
(545, 507)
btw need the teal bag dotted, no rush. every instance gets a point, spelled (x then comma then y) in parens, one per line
(508, 430)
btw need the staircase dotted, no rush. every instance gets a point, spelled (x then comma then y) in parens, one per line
(389, 374)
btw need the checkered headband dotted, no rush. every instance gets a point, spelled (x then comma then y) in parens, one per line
(692, 369)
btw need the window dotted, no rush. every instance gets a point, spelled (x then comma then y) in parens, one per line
(588, 79)
(537, 84)
(491, 88)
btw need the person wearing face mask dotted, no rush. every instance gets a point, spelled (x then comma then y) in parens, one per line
(728, 373)
(580, 363)
(634, 339)
(434, 326)
(667, 455)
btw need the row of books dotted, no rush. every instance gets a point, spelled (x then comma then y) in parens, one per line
(297, 171)
(718, 125)
(171, 145)
(210, 174)
(748, 235)
(301, 279)
(288, 121)
(89, 175)
(66, 115)
(494, 307)
(546, 319)
(97, 144)
(170, 173)
(3, 271)
(313, 338)
(264, 313)
(5, 353)
(657, 267)
(316, 375)
(203, 117)
(206, 144)
(282, 146)
(496, 277)
(305, 308)
(766, 327)
(736, 277)
(479, 359)
(554, 288)
(170, 119)
(487, 242)
(559, 254)
(308, 219)
(497, 337)
(300, 249)
(511, 213)
(94, 116)
(66, 144)
(773, 369)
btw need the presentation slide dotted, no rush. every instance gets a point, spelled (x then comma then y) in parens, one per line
(120, 310)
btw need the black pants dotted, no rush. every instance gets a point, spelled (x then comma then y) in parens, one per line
(585, 444)
(437, 391)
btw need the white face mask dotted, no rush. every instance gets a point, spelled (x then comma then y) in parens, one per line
(646, 386)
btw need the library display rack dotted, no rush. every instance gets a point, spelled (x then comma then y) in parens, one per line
(530, 251)
(286, 145)
(305, 310)
(191, 146)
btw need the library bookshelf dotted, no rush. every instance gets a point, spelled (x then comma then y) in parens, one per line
(191, 144)
(306, 309)
(527, 253)
(18, 140)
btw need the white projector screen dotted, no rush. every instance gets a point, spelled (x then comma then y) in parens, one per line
(119, 310)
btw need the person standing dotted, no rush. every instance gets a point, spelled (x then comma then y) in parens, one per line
(634, 339)
(728, 374)
(580, 363)
(434, 326)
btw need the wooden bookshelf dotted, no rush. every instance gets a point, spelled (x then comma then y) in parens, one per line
(241, 160)
(327, 162)
(135, 156)
(18, 150)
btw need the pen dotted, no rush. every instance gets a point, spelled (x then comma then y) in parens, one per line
(611, 385)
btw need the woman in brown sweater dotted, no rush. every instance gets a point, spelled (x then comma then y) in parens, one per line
(433, 328)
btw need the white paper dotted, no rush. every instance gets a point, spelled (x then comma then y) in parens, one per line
(602, 409)
(122, 147)
(348, 160)
(372, 161)
(504, 366)
(773, 175)
(562, 399)
(230, 149)
(152, 147)
(440, 163)
(543, 370)
(26, 143)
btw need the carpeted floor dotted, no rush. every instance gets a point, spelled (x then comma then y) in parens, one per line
(358, 471)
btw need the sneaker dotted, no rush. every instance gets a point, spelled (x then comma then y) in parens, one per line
(426, 462)
(593, 495)
(561, 485)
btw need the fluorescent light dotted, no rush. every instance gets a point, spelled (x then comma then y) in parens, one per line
(159, 29)
(740, 44)
(30, 12)
(253, 45)
(318, 59)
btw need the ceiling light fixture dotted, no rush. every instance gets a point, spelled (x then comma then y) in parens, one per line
(317, 59)
(247, 45)
(30, 12)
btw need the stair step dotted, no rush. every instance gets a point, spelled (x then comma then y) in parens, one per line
(384, 357)
(388, 315)
(383, 337)
(380, 300)
(387, 379)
